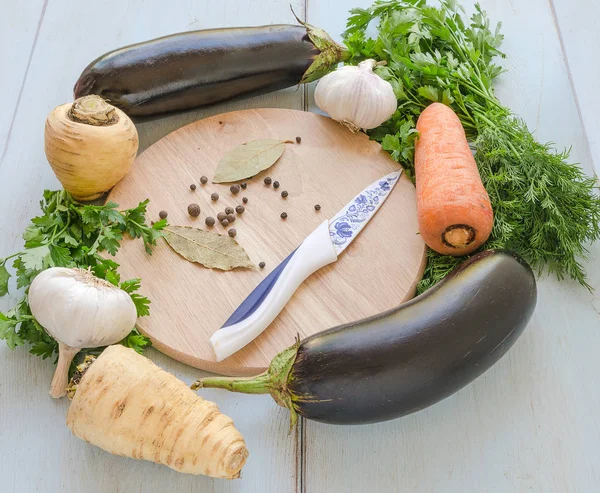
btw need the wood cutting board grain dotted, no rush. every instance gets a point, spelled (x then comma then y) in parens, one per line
(329, 167)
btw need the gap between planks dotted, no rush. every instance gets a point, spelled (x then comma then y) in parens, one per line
(301, 448)
(595, 166)
(14, 116)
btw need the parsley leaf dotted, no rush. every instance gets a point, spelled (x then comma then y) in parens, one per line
(33, 233)
(61, 256)
(110, 243)
(112, 277)
(4, 277)
(7, 331)
(131, 285)
(68, 240)
(37, 258)
(44, 349)
(142, 304)
(136, 341)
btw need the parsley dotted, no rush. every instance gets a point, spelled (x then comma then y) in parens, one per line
(69, 234)
(4, 277)
(545, 208)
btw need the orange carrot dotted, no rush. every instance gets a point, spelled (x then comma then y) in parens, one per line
(454, 210)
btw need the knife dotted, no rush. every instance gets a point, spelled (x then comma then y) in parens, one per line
(319, 249)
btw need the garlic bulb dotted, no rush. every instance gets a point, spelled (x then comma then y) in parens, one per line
(356, 96)
(80, 311)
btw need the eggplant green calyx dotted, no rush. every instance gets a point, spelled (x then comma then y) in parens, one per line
(331, 53)
(274, 381)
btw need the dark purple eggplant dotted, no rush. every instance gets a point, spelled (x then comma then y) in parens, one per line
(405, 359)
(198, 68)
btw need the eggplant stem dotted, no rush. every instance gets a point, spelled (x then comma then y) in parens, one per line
(331, 54)
(58, 387)
(274, 381)
(252, 385)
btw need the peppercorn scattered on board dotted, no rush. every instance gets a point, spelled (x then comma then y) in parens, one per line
(328, 167)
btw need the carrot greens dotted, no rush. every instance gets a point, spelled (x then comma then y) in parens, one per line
(546, 209)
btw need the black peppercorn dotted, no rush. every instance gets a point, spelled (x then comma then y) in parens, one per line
(193, 187)
(244, 185)
(221, 216)
(275, 184)
(203, 180)
(283, 215)
(234, 189)
(225, 222)
(230, 218)
(317, 207)
(214, 197)
(262, 265)
(163, 214)
(228, 210)
(209, 221)
(284, 194)
(194, 210)
(298, 140)
(245, 200)
(151, 223)
(232, 232)
(240, 209)
(267, 180)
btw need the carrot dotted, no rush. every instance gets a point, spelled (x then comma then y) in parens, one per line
(128, 406)
(454, 210)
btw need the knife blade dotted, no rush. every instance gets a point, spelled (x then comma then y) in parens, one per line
(320, 248)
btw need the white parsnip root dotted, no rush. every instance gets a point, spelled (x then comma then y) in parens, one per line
(128, 406)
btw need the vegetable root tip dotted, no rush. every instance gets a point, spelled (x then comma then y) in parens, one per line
(350, 126)
(57, 392)
(238, 461)
(459, 236)
(58, 387)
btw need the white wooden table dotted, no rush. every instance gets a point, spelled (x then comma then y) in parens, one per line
(531, 424)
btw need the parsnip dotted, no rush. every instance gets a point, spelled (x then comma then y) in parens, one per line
(90, 145)
(128, 406)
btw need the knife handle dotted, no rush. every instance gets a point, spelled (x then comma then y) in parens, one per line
(267, 300)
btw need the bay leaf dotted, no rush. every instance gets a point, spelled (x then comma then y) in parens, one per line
(207, 248)
(249, 159)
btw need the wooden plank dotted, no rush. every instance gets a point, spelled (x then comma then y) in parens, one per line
(577, 23)
(18, 35)
(38, 452)
(530, 423)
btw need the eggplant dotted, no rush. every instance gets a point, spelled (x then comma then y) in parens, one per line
(198, 68)
(405, 359)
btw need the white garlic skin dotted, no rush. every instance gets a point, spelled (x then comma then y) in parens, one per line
(80, 310)
(356, 96)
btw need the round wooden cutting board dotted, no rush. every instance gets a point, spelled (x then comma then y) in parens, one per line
(329, 167)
